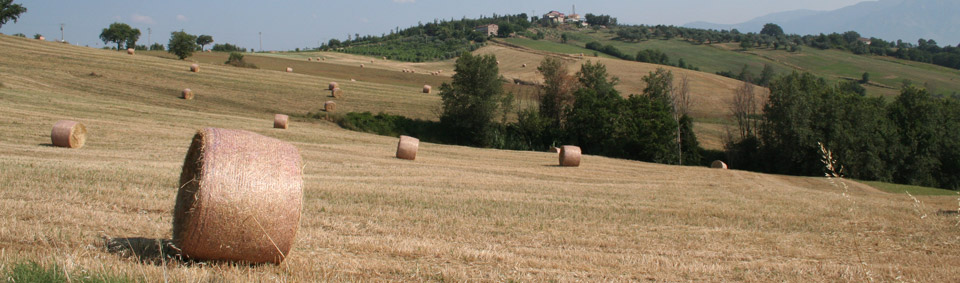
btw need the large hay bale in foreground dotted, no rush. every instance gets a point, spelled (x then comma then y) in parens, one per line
(427, 88)
(570, 156)
(333, 85)
(195, 68)
(240, 198)
(407, 148)
(281, 121)
(186, 94)
(718, 164)
(336, 93)
(329, 106)
(70, 134)
(130, 51)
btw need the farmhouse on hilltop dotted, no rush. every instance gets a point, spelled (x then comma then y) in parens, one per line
(554, 16)
(489, 30)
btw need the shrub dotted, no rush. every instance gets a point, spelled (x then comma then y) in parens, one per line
(236, 59)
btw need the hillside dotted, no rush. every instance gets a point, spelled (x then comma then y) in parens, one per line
(908, 20)
(454, 214)
(887, 73)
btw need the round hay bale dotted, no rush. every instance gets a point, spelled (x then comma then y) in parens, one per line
(332, 86)
(130, 51)
(498, 62)
(329, 106)
(41, 38)
(309, 59)
(570, 156)
(195, 68)
(289, 70)
(384, 58)
(555, 149)
(361, 66)
(718, 164)
(427, 88)
(69, 134)
(240, 198)
(186, 94)
(336, 93)
(353, 80)
(407, 148)
(281, 121)
(524, 66)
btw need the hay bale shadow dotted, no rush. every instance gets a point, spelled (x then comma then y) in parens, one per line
(145, 250)
(948, 212)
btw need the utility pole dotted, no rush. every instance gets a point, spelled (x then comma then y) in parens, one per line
(149, 34)
(261, 41)
(61, 32)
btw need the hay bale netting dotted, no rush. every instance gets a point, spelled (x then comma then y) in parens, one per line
(186, 94)
(407, 147)
(329, 106)
(333, 85)
(289, 70)
(240, 198)
(718, 164)
(195, 68)
(70, 134)
(427, 88)
(570, 156)
(336, 93)
(130, 51)
(281, 121)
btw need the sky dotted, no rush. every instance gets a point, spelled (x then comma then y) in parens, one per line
(289, 24)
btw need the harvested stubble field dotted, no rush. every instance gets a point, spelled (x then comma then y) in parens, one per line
(454, 214)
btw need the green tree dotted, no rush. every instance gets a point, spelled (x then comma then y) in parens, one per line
(182, 44)
(473, 99)
(865, 78)
(659, 85)
(766, 75)
(772, 30)
(10, 11)
(203, 40)
(120, 33)
(918, 119)
(558, 88)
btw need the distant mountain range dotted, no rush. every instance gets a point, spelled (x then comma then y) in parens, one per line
(890, 20)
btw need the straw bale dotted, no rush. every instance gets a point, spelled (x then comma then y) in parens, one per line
(329, 106)
(333, 85)
(718, 164)
(281, 121)
(427, 88)
(70, 134)
(240, 198)
(195, 68)
(289, 70)
(555, 149)
(186, 94)
(570, 156)
(407, 148)
(336, 93)
(130, 51)
(41, 38)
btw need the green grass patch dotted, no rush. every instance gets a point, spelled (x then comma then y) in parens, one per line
(34, 272)
(914, 190)
(550, 46)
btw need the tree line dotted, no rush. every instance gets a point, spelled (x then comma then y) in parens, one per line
(911, 140)
(583, 109)
(439, 40)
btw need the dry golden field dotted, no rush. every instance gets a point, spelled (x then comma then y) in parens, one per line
(454, 214)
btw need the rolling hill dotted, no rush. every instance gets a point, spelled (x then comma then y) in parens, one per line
(454, 214)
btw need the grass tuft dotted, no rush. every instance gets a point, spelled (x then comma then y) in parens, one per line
(31, 271)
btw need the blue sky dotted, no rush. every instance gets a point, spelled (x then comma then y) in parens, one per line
(300, 23)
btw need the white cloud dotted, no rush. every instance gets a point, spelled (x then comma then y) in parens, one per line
(182, 18)
(141, 19)
(404, 1)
